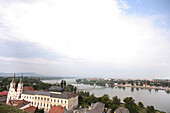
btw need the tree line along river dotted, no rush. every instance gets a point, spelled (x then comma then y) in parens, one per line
(158, 98)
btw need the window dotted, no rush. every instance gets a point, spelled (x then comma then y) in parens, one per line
(54, 100)
(44, 99)
(41, 98)
(47, 99)
(38, 98)
(58, 101)
(35, 98)
(44, 105)
(61, 101)
(47, 105)
(41, 104)
(51, 100)
(65, 101)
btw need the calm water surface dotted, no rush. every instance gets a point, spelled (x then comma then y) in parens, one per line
(159, 99)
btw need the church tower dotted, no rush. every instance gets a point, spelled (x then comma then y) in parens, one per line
(20, 87)
(12, 92)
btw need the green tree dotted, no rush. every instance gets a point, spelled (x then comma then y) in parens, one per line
(75, 89)
(39, 110)
(116, 100)
(64, 83)
(130, 104)
(36, 110)
(150, 109)
(99, 99)
(105, 99)
(92, 99)
(114, 107)
(140, 104)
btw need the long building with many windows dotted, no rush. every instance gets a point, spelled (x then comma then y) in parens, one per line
(44, 99)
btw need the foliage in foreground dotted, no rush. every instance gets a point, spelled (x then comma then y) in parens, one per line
(85, 100)
(10, 109)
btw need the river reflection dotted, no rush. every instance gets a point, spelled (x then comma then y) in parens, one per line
(160, 99)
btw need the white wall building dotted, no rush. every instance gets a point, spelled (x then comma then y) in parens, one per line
(43, 99)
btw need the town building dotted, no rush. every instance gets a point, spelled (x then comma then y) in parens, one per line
(94, 108)
(20, 104)
(30, 109)
(3, 96)
(43, 99)
(121, 110)
(14, 94)
(58, 109)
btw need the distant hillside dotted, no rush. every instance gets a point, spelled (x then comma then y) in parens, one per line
(29, 74)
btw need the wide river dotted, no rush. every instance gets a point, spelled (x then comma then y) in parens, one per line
(159, 99)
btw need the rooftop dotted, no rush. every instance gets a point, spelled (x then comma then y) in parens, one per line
(56, 89)
(97, 107)
(58, 109)
(28, 88)
(3, 93)
(30, 109)
(64, 95)
(18, 103)
(121, 110)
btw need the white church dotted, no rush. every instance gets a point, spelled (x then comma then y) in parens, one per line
(13, 94)
(42, 99)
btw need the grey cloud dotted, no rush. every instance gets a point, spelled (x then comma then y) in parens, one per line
(23, 49)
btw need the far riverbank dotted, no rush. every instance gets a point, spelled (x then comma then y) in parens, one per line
(158, 98)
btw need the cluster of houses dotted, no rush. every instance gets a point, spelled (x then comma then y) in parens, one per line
(136, 84)
(55, 100)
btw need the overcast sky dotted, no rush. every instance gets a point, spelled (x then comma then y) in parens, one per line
(86, 38)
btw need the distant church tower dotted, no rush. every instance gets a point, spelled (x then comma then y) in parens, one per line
(13, 94)
(20, 87)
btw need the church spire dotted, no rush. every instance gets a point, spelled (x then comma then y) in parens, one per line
(21, 78)
(13, 79)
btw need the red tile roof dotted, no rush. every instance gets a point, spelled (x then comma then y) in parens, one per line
(28, 88)
(57, 109)
(3, 93)
(18, 103)
(30, 109)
